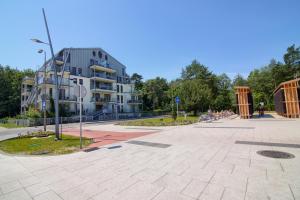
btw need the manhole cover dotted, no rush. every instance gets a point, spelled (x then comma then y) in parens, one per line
(276, 154)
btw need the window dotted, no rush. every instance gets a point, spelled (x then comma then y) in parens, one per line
(118, 88)
(81, 81)
(105, 57)
(69, 58)
(50, 92)
(122, 109)
(79, 71)
(123, 71)
(118, 98)
(121, 99)
(99, 54)
(121, 88)
(75, 80)
(73, 72)
(92, 62)
(94, 53)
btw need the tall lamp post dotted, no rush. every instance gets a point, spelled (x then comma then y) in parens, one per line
(44, 99)
(55, 77)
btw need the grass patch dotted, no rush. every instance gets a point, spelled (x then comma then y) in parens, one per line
(167, 121)
(36, 145)
(10, 125)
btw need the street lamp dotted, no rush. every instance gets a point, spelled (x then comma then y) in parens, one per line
(55, 76)
(44, 99)
(38, 41)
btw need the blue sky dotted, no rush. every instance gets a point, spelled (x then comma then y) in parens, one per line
(155, 37)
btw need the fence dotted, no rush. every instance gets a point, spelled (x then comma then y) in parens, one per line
(49, 121)
(85, 118)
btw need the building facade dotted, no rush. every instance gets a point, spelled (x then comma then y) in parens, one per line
(109, 88)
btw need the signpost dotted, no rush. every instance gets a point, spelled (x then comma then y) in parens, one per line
(177, 101)
(81, 92)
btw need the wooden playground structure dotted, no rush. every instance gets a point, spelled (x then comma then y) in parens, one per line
(244, 102)
(287, 99)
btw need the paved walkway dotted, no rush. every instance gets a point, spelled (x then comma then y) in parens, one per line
(203, 162)
(103, 137)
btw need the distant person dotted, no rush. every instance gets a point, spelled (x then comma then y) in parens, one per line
(261, 109)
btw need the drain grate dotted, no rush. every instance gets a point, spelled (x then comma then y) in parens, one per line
(150, 144)
(91, 149)
(229, 127)
(268, 144)
(114, 147)
(275, 154)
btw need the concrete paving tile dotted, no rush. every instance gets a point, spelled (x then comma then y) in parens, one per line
(233, 194)
(149, 175)
(105, 195)
(50, 195)
(118, 184)
(194, 189)
(170, 195)
(66, 184)
(17, 195)
(173, 182)
(140, 190)
(279, 191)
(200, 174)
(30, 180)
(237, 181)
(81, 192)
(36, 189)
(256, 196)
(11, 186)
(212, 192)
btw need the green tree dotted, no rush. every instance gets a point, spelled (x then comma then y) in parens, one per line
(195, 96)
(239, 80)
(138, 80)
(223, 98)
(155, 94)
(10, 90)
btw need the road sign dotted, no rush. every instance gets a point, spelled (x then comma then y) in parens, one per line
(177, 99)
(77, 91)
(43, 104)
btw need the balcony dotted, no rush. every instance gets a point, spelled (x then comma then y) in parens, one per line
(59, 60)
(28, 80)
(63, 82)
(103, 77)
(101, 66)
(59, 69)
(72, 98)
(28, 90)
(68, 99)
(103, 88)
(133, 101)
(101, 101)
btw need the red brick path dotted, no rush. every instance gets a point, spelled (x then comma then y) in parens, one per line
(102, 138)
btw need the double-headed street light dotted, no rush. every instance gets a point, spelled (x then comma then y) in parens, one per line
(53, 63)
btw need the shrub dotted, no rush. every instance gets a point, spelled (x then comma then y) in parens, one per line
(33, 113)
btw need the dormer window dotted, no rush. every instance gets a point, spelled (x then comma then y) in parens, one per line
(105, 57)
(99, 54)
(94, 53)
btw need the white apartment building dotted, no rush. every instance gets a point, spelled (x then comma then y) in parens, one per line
(109, 88)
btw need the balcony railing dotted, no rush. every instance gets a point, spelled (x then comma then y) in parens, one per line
(101, 100)
(70, 98)
(24, 90)
(63, 81)
(102, 75)
(100, 63)
(133, 101)
(102, 88)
